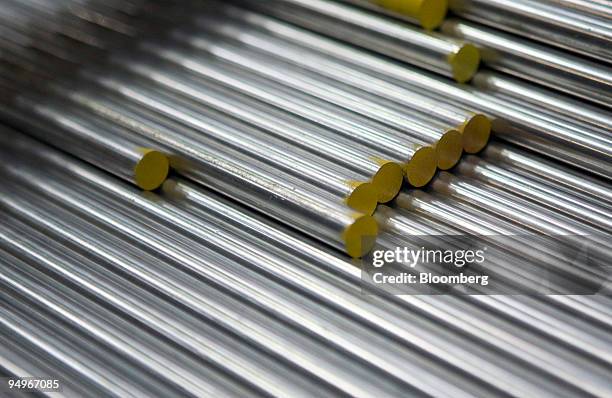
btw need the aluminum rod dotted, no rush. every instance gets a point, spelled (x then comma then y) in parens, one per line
(352, 300)
(552, 173)
(130, 159)
(573, 207)
(430, 51)
(539, 64)
(420, 160)
(557, 105)
(278, 194)
(176, 373)
(157, 312)
(521, 124)
(216, 130)
(444, 138)
(475, 128)
(540, 21)
(524, 212)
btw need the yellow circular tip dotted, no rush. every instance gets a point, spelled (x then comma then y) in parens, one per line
(476, 133)
(364, 198)
(152, 170)
(449, 149)
(464, 63)
(388, 181)
(360, 236)
(429, 13)
(432, 13)
(422, 167)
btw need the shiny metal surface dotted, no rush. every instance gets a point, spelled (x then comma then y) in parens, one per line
(541, 21)
(539, 64)
(109, 206)
(430, 51)
(547, 101)
(518, 123)
(444, 138)
(474, 127)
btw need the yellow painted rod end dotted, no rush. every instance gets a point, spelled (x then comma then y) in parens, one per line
(151, 170)
(363, 198)
(360, 236)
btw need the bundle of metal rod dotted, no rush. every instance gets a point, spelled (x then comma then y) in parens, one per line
(540, 64)
(498, 176)
(555, 105)
(428, 14)
(600, 8)
(519, 123)
(551, 174)
(386, 36)
(475, 128)
(60, 125)
(382, 168)
(530, 213)
(91, 328)
(447, 141)
(543, 21)
(249, 181)
(535, 364)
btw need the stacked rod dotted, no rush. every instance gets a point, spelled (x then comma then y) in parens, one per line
(65, 199)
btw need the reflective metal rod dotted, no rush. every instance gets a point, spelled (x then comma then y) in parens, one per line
(555, 175)
(599, 8)
(252, 183)
(430, 51)
(560, 71)
(104, 278)
(420, 159)
(126, 157)
(540, 21)
(475, 128)
(218, 131)
(444, 138)
(524, 213)
(555, 104)
(521, 124)
(350, 301)
(531, 190)
(175, 372)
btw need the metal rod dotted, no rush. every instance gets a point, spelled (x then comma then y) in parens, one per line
(420, 159)
(430, 51)
(128, 158)
(523, 385)
(444, 138)
(530, 189)
(256, 185)
(560, 71)
(555, 104)
(542, 22)
(475, 128)
(553, 174)
(520, 124)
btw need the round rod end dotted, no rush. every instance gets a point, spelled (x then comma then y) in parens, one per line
(464, 63)
(429, 13)
(363, 198)
(476, 133)
(388, 181)
(449, 149)
(360, 236)
(151, 170)
(422, 167)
